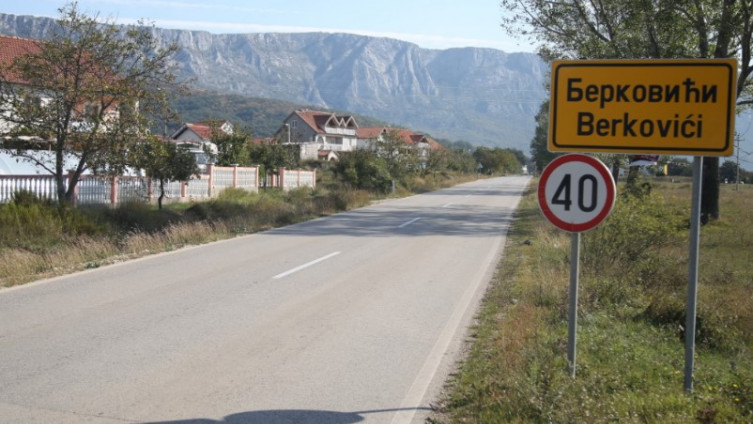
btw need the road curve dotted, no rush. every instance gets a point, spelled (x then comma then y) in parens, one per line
(352, 318)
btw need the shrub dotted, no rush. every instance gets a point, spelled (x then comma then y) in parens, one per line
(33, 223)
(138, 216)
(635, 231)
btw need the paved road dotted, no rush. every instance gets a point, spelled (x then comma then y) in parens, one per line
(352, 318)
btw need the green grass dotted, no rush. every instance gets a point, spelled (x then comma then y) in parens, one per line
(630, 356)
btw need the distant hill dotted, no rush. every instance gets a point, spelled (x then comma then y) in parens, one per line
(262, 117)
(482, 96)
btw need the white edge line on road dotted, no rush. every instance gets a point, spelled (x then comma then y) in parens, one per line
(409, 222)
(447, 205)
(304, 266)
(471, 297)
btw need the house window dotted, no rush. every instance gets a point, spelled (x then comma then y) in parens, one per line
(33, 101)
(91, 110)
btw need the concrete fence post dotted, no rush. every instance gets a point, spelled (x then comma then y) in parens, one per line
(150, 190)
(210, 183)
(114, 190)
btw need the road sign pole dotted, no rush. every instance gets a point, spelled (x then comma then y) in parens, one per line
(576, 192)
(695, 236)
(572, 325)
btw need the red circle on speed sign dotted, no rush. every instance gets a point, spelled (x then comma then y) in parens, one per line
(576, 192)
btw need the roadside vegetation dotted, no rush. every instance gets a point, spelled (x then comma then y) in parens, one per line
(41, 239)
(630, 346)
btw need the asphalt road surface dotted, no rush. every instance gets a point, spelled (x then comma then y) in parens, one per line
(353, 318)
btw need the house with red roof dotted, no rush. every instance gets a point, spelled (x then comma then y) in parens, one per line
(13, 48)
(196, 137)
(371, 137)
(200, 133)
(319, 135)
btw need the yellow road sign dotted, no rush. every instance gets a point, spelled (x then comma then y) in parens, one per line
(684, 107)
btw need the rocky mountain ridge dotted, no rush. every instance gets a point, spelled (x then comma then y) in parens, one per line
(483, 96)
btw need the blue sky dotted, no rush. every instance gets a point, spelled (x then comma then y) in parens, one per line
(435, 24)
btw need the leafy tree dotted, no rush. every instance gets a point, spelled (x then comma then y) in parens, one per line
(679, 167)
(272, 156)
(363, 170)
(656, 29)
(519, 155)
(539, 143)
(399, 157)
(496, 160)
(101, 85)
(163, 162)
(232, 149)
(462, 161)
(728, 172)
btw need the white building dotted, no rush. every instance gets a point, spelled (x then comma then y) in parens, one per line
(319, 135)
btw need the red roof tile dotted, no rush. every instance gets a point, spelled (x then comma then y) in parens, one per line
(406, 136)
(204, 131)
(12, 48)
(318, 120)
(369, 132)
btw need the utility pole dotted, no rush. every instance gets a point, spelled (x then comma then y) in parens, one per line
(737, 167)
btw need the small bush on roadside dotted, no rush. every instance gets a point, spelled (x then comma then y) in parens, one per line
(28, 198)
(138, 216)
(29, 222)
(237, 195)
(636, 230)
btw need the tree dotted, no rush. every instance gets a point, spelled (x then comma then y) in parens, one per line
(728, 172)
(91, 89)
(496, 160)
(231, 148)
(400, 157)
(657, 29)
(272, 156)
(362, 169)
(539, 143)
(679, 167)
(163, 162)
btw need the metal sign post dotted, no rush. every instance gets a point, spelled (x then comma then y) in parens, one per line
(572, 322)
(576, 193)
(690, 314)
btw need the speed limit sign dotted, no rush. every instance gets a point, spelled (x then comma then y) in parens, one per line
(576, 192)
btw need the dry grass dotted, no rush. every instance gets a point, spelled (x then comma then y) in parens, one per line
(39, 240)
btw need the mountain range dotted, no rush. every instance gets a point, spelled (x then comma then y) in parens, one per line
(479, 95)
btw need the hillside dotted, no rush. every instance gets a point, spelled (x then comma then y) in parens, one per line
(483, 96)
(262, 117)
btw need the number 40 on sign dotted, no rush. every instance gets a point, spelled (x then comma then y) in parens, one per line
(576, 192)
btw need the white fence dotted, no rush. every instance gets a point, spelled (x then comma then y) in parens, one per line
(92, 190)
(42, 185)
(289, 179)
